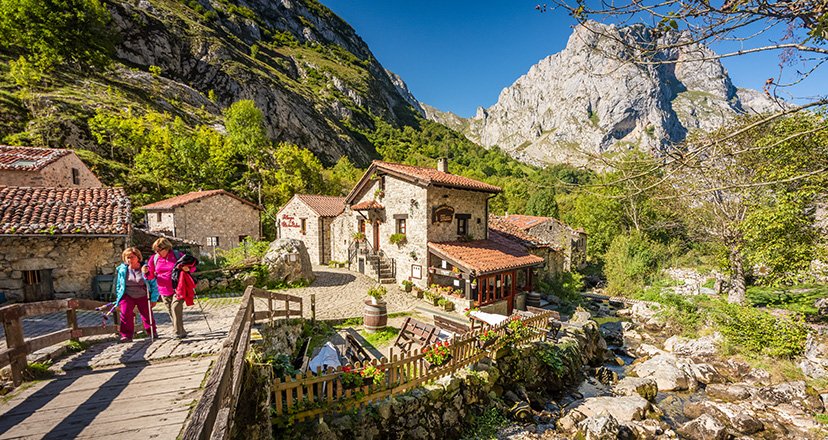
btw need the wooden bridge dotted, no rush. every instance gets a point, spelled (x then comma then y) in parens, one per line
(162, 389)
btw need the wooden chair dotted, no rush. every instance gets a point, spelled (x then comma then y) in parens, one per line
(451, 325)
(554, 321)
(555, 315)
(355, 352)
(415, 332)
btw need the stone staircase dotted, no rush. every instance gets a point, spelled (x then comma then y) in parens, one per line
(385, 275)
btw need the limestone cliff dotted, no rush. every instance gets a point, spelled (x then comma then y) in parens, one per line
(590, 98)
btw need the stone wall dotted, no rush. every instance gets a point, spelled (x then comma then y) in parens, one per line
(161, 221)
(219, 216)
(342, 230)
(472, 203)
(56, 174)
(290, 221)
(73, 262)
(571, 241)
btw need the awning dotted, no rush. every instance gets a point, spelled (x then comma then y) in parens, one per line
(367, 205)
(486, 256)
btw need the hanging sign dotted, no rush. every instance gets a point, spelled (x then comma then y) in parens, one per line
(442, 214)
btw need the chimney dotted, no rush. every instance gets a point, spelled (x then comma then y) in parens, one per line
(442, 164)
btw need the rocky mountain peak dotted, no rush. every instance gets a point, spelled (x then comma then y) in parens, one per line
(595, 97)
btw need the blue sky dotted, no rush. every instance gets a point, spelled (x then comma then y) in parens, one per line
(458, 55)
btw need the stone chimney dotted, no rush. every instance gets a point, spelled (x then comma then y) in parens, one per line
(442, 164)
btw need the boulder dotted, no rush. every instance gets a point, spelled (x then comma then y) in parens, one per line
(704, 428)
(664, 369)
(739, 417)
(646, 387)
(703, 373)
(623, 409)
(822, 306)
(643, 312)
(649, 429)
(703, 347)
(793, 393)
(815, 358)
(728, 392)
(613, 333)
(287, 260)
(601, 427)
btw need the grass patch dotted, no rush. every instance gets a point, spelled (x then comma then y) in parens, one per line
(348, 323)
(799, 298)
(821, 418)
(38, 371)
(486, 425)
(76, 346)
(380, 338)
(780, 370)
(606, 319)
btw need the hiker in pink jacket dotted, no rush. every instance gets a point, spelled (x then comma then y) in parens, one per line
(161, 266)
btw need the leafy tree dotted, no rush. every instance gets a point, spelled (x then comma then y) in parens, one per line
(342, 177)
(632, 260)
(542, 203)
(51, 33)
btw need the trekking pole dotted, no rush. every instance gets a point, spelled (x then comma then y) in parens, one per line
(203, 314)
(151, 319)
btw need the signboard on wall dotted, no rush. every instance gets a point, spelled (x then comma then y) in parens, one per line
(416, 271)
(289, 221)
(442, 214)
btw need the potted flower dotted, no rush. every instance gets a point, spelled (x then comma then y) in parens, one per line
(486, 339)
(351, 378)
(468, 311)
(437, 355)
(379, 193)
(376, 293)
(446, 304)
(516, 328)
(358, 236)
(407, 285)
(398, 239)
(373, 375)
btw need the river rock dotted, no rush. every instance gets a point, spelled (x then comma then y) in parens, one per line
(600, 427)
(613, 333)
(728, 392)
(646, 387)
(739, 417)
(703, 347)
(663, 368)
(704, 428)
(623, 409)
(822, 306)
(704, 373)
(794, 393)
(649, 429)
(815, 359)
(643, 312)
(287, 260)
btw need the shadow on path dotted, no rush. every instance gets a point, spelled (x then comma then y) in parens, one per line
(331, 279)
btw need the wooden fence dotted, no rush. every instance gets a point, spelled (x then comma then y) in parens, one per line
(307, 395)
(18, 347)
(212, 417)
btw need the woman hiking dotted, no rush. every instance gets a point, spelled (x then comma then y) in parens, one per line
(161, 268)
(134, 290)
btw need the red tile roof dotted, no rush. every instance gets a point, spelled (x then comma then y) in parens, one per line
(28, 158)
(486, 256)
(325, 206)
(64, 211)
(528, 221)
(511, 231)
(177, 201)
(366, 205)
(430, 176)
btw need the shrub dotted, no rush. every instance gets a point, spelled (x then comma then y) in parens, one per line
(377, 292)
(758, 332)
(567, 286)
(631, 262)
(247, 250)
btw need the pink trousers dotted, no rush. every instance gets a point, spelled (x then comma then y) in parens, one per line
(128, 304)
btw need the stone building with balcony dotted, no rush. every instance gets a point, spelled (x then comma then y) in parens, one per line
(214, 219)
(426, 225)
(309, 218)
(55, 241)
(44, 167)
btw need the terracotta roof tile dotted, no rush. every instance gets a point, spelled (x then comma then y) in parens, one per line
(511, 231)
(28, 158)
(430, 176)
(486, 256)
(368, 204)
(177, 201)
(528, 221)
(325, 206)
(64, 211)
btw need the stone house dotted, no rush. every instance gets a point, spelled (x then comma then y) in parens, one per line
(552, 254)
(54, 241)
(214, 219)
(551, 230)
(44, 167)
(309, 218)
(429, 226)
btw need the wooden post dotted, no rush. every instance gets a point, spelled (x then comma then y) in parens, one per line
(313, 308)
(72, 322)
(14, 339)
(270, 306)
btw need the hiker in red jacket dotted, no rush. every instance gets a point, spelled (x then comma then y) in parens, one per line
(162, 266)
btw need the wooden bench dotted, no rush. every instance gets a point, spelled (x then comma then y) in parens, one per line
(554, 321)
(415, 332)
(451, 325)
(555, 315)
(355, 352)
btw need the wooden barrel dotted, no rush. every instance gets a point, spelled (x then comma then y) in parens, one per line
(375, 316)
(533, 299)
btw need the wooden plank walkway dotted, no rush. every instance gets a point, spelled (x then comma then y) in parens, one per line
(144, 389)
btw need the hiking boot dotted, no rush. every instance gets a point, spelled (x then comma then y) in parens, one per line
(124, 340)
(181, 336)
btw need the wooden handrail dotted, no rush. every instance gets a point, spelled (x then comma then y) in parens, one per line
(18, 347)
(212, 417)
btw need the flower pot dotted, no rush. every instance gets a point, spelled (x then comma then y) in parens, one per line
(373, 300)
(407, 288)
(419, 293)
(449, 306)
(486, 344)
(430, 366)
(435, 301)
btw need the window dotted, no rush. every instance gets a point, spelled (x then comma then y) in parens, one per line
(31, 277)
(462, 226)
(243, 237)
(362, 226)
(400, 226)
(303, 229)
(213, 241)
(76, 176)
(158, 217)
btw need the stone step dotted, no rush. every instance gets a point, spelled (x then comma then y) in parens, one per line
(383, 280)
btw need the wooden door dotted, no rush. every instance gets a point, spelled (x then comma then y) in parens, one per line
(376, 236)
(37, 285)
